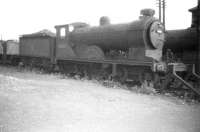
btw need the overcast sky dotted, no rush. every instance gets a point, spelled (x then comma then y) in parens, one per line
(27, 16)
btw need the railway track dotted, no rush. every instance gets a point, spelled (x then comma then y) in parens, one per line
(135, 86)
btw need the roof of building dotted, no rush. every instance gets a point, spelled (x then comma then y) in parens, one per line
(42, 33)
(193, 9)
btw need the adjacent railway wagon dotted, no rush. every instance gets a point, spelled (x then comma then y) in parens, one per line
(9, 51)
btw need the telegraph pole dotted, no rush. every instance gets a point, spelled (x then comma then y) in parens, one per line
(163, 6)
(161, 11)
(198, 37)
(159, 8)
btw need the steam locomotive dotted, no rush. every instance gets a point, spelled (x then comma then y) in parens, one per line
(184, 42)
(183, 45)
(130, 51)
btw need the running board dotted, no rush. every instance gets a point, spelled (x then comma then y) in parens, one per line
(177, 68)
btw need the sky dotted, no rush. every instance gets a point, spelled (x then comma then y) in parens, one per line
(20, 17)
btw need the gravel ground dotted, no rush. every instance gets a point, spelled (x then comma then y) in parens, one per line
(34, 102)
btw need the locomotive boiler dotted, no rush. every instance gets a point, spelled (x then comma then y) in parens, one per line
(146, 32)
(183, 43)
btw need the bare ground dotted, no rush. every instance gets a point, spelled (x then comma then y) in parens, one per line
(34, 102)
